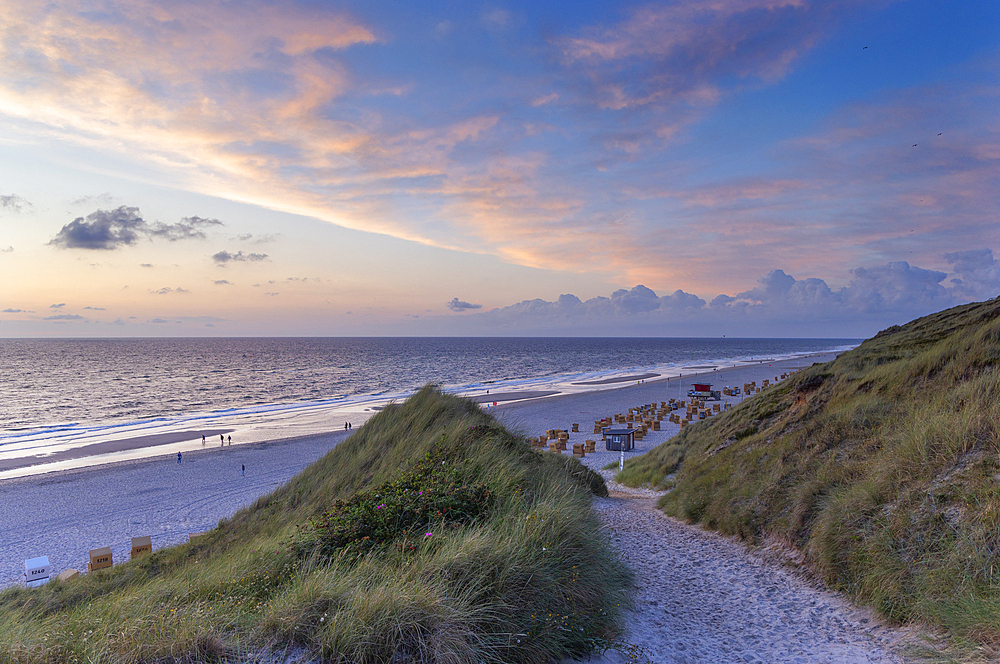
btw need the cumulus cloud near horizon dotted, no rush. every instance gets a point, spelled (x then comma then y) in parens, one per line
(112, 229)
(779, 305)
(458, 305)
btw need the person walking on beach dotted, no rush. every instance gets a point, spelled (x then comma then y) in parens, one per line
(230, 440)
(222, 439)
(178, 457)
(243, 470)
(202, 439)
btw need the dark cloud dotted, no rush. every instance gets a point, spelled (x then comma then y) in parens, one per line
(458, 305)
(112, 229)
(188, 228)
(95, 308)
(14, 311)
(13, 203)
(222, 282)
(224, 257)
(145, 265)
(166, 289)
(57, 306)
(102, 229)
(65, 317)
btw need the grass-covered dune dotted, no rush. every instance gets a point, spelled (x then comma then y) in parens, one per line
(881, 467)
(431, 535)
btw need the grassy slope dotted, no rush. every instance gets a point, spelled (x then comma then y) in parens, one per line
(881, 467)
(530, 580)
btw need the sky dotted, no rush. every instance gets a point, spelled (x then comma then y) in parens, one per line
(748, 168)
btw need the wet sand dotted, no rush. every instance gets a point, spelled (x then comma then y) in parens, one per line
(110, 447)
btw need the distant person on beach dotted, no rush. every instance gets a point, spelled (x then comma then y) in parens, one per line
(243, 469)
(178, 457)
(230, 440)
(202, 439)
(350, 426)
(222, 439)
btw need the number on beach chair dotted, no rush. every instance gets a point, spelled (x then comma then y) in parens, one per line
(100, 559)
(141, 546)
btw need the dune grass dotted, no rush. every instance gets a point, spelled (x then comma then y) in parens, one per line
(881, 467)
(482, 551)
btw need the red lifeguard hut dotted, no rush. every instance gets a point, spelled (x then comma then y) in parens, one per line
(704, 391)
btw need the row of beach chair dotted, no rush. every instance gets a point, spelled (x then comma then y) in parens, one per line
(37, 571)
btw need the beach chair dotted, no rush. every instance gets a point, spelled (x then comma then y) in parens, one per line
(578, 450)
(141, 546)
(36, 571)
(67, 574)
(99, 559)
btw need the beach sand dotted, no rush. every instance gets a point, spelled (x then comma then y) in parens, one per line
(65, 513)
(702, 597)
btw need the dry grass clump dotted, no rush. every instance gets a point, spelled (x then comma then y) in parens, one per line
(881, 467)
(506, 562)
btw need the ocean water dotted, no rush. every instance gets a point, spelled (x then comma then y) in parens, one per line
(50, 387)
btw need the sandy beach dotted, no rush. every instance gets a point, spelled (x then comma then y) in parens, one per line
(65, 514)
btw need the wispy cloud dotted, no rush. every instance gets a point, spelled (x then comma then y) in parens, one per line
(13, 202)
(576, 165)
(223, 257)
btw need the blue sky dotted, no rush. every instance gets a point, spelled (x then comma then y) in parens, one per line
(748, 168)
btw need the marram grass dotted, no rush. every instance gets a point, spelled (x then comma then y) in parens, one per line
(506, 562)
(882, 467)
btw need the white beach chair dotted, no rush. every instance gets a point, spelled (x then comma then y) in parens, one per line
(36, 571)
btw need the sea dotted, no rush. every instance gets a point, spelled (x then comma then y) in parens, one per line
(55, 391)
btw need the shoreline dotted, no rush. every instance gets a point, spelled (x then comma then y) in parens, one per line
(272, 426)
(65, 513)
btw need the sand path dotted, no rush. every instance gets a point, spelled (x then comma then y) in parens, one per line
(703, 597)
